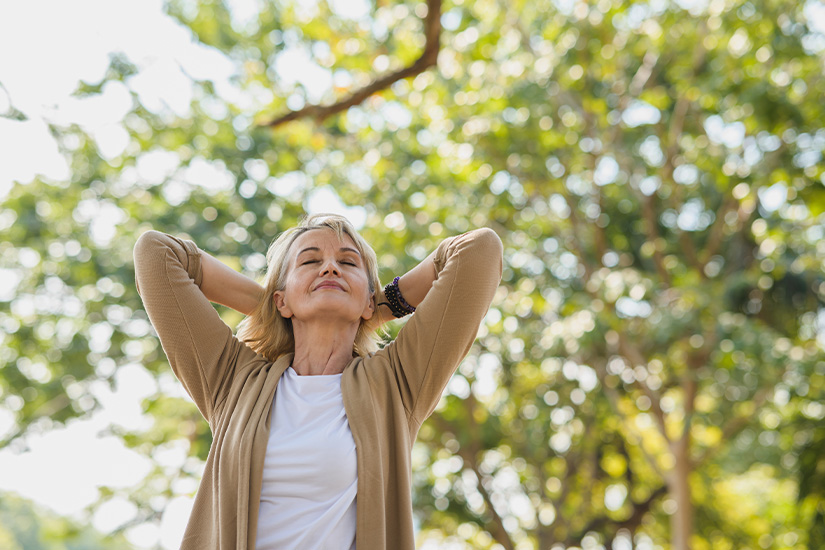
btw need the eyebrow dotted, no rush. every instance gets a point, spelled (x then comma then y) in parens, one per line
(316, 249)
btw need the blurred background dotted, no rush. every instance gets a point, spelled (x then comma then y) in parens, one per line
(651, 374)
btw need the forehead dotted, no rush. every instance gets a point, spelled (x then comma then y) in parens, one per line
(322, 238)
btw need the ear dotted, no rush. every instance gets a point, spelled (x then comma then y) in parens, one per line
(369, 309)
(280, 303)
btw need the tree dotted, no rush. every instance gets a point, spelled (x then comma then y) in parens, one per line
(655, 174)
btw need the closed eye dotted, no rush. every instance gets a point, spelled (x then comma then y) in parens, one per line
(316, 261)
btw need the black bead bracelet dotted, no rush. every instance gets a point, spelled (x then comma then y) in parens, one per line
(397, 304)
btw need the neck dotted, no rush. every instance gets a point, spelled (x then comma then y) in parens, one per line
(322, 348)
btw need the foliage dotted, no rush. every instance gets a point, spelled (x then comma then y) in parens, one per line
(23, 526)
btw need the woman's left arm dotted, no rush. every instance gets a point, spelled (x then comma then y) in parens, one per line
(413, 285)
(452, 290)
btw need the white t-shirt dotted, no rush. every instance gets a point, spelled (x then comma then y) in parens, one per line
(310, 470)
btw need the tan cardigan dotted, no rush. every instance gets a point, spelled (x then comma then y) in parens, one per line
(386, 396)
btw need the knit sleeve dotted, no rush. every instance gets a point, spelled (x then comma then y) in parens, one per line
(439, 334)
(201, 348)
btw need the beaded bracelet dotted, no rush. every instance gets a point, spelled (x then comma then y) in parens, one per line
(397, 304)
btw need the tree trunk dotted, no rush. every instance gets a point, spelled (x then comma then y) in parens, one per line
(681, 521)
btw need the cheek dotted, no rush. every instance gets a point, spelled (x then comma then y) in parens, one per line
(364, 284)
(295, 279)
(291, 288)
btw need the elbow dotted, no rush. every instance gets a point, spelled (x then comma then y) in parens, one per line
(145, 251)
(154, 248)
(489, 239)
(147, 240)
(488, 248)
(140, 252)
(491, 242)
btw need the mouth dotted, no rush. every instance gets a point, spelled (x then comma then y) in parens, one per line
(329, 284)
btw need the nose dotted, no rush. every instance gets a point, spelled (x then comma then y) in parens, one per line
(330, 267)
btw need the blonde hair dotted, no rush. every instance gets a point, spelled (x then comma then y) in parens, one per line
(266, 331)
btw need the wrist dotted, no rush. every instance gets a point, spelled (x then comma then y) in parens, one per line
(395, 300)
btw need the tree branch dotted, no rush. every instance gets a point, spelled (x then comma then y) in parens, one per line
(642, 76)
(730, 204)
(631, 352)
(689, 390)
(732, 428)
(671, 148)
(603, 524)
(499, 533)
(428, 58)
(717, 231)
(468, 455)
(652, 230)
(613, 398)
(690, 386)
(578, 249)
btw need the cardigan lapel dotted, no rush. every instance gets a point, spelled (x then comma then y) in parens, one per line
(259, 442)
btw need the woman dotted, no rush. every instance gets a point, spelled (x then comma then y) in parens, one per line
(313, 424)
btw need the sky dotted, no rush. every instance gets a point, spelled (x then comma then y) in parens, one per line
(74, 44)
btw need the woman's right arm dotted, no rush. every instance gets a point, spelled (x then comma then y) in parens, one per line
(223, 285)
(202, 350)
